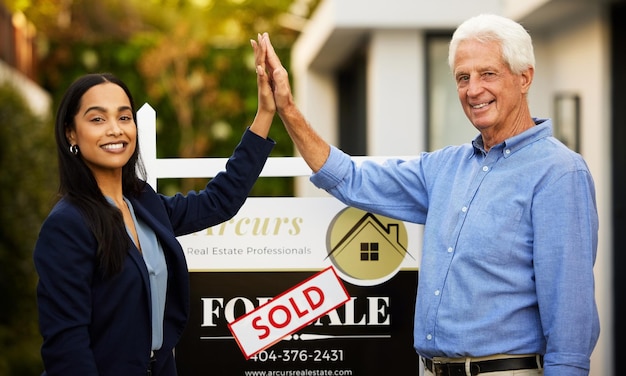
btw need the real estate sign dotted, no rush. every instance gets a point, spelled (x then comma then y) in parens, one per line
(274, 244)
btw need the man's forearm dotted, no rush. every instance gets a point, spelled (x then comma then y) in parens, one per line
(311, 146)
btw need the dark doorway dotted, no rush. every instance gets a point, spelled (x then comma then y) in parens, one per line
(352, 105)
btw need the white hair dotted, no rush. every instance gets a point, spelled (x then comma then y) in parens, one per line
(516, 44)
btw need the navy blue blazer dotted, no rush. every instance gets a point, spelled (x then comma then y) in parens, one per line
(96, 326)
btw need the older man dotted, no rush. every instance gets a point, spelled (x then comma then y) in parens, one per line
(506, 281)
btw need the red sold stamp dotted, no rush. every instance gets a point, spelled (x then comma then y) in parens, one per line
(289, 312)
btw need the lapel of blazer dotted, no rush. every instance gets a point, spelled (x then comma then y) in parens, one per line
(161, 229)
(137, 258)
(145, 215)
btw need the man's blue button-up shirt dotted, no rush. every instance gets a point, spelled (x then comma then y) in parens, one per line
(510, 241)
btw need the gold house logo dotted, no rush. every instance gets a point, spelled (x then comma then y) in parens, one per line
(366, 248)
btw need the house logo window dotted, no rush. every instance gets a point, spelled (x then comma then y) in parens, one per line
(366, 249)
(369, 252)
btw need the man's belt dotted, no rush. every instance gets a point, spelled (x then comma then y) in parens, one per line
(484, 366)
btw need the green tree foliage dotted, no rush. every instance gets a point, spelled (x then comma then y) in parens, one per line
(27, 189)
(190, 59)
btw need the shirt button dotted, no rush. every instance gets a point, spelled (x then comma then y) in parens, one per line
(450, 250)
(429, 337)
(507, 151)
(436, 292)
(485, 168)
(464, 209)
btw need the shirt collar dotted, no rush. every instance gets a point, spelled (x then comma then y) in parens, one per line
(542, 129)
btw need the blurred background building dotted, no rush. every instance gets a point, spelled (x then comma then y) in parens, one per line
(18, 59)
(373, 78)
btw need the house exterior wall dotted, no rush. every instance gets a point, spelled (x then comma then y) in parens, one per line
(571, 41)
(393, 87)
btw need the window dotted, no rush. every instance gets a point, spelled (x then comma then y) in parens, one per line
(369, 252)
(447, 124)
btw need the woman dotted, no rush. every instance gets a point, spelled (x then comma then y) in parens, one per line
(113, 292)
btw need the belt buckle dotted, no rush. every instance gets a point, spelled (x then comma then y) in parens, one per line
(449, 369)
(437, 368)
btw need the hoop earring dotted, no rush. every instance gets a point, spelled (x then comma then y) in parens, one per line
(74, 149)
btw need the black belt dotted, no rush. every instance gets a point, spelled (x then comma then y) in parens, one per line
(484, 366)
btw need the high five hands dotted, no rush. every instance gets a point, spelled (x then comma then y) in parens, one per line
(274, 91)
(275, 95)
(271, 75)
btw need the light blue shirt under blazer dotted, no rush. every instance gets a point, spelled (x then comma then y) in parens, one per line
(154, 257)
(510, 241)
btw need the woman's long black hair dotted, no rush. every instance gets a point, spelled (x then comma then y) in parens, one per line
(78, 184)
